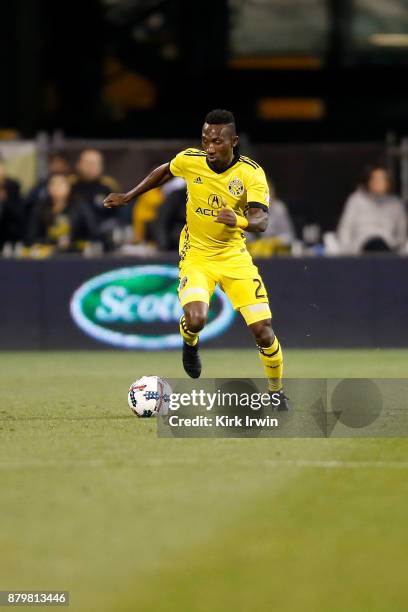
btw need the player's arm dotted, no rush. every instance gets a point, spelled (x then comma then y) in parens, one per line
(257, 217)
(255, 220)
(156, 178)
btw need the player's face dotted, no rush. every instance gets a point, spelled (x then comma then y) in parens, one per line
(218, 141)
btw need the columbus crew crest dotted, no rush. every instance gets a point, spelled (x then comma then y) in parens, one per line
(236, 187)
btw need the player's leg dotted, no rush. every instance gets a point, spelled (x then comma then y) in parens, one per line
(193, 321)
(249, 296)
(270, 354)
(195, 290)
(270, 351)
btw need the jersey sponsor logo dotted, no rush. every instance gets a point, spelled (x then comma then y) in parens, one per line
(138, 308)
(215, 201)
(198, 180)
(207, 212)
(236, 186)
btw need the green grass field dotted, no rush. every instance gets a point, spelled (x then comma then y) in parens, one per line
(94, 503)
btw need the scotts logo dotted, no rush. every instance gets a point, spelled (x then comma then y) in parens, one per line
(138, 308)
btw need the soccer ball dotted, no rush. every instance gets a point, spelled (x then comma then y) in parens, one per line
(149, 396)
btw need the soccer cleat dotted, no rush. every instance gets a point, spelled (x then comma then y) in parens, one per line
(191, 360)
(279, 401)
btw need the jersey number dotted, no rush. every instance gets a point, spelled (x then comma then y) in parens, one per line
(258, 293)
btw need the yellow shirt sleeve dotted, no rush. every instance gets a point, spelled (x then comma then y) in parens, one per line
(257, 189)
(177, 165)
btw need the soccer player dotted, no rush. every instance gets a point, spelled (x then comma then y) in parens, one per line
(227, 196)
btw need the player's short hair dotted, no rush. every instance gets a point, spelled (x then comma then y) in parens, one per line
(219, 117)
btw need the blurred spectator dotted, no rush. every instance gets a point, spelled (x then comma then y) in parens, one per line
(280, 224)
(51, 218)
(279, 235)
(90, 178)
(373, 218)
(57, 164)
(11, 214)
(144, 214)
(150, 220)
(89, 188)
(171, 216)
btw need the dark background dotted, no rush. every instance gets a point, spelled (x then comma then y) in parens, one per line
(72, 65)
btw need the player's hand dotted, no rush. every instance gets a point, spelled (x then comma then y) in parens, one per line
(226, 215)
(115, 200)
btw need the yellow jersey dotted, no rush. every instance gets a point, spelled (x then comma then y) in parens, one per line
(243, 181)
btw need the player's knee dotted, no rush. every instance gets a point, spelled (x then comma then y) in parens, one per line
(196, 318)
(263, 333)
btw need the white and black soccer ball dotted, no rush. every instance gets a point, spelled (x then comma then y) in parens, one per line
(149, 396)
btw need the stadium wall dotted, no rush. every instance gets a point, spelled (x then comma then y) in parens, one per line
(317, 302)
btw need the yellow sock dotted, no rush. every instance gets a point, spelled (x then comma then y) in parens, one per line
(272, 361)
(189, 337)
